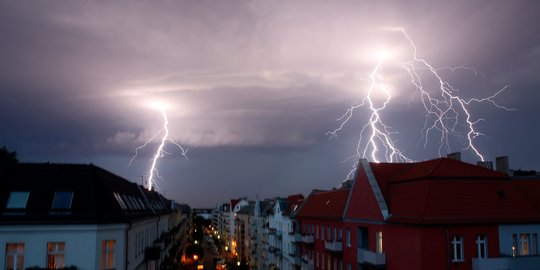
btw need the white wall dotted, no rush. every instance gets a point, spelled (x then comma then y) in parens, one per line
(505, 235)
(83, 243)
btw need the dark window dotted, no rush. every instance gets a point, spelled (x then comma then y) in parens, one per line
(62, 200)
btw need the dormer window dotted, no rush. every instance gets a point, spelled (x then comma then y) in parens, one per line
(62, 200)
(17, 200)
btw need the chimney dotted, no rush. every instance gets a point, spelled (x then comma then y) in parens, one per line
(485, 164)
(455, 155)
(502, 164)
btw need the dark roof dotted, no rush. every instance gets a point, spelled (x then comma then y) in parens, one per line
(247, 209)
(98, 195)
(324, 204)
(450, 191)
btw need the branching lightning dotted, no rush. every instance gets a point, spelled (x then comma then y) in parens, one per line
(446, 112)
(153, 173)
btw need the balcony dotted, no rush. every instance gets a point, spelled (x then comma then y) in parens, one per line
(370, 257)
(506, 263)
(308, 239)
(333, 246)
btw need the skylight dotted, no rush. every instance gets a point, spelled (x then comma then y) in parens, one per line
(17, 200)
(62, 200)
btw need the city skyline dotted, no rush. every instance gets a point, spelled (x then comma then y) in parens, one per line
(251, 88)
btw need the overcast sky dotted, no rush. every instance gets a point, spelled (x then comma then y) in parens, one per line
(252, 87)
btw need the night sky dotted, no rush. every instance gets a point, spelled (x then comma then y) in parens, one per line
(252, 87)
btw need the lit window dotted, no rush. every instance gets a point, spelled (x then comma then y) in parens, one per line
(55, 255)
(107, 254)
(379, 242)
(481, 246)
(17, 200)
(15, 256)
(524, 244)
(457, 248)
(62, 200)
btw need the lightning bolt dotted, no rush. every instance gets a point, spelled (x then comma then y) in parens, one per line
(153, 173)
(446, 112)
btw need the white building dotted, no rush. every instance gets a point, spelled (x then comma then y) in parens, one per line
(56, 216)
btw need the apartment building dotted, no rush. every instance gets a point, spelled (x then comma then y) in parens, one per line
(59, 215)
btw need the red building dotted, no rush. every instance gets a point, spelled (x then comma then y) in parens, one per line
(436, 214)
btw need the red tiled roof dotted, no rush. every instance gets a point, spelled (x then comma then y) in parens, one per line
(530, 188)
(450, 191)
(325, 204)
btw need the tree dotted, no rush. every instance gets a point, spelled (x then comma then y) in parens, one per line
(7, 158)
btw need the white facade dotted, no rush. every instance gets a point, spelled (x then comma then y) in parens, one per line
(281, 239)
(519, 240)
(83, 243)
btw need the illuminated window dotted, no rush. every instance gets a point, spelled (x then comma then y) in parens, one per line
(62, 200)
(107, 254)
(14, 256)
(55, 255)
(17, 200)
(379, 242)
(457, 249)
(524, 244)
(481, 246)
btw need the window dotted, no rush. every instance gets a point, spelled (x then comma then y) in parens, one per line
(349, 266)
(524, 244)
(481, 246)
(534, 244)
(107, 254)
(328, 233)
(55, 255)
(328, 262)
(379, 242)
(120, 201)
(348, 235)
(62, 200)
(17, 200)
(340, 234)
(15, 256)
(457, 249)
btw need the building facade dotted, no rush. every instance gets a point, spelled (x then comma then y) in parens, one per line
(57, 215)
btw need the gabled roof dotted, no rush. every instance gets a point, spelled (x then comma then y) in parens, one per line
(450, 191)
(98, 196)
(324, 204)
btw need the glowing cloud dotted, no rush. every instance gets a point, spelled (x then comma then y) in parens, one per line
(445, 110)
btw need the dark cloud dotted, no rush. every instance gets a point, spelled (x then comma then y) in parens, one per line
(251, 86)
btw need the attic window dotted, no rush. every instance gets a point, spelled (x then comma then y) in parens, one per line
(17, 200)
(120, 201)
(62, 200)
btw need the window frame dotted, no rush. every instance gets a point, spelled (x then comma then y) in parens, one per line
(15, 200)
(482, 246)
(457, 245)
(108, 257)
(18, 257)
(56, 253)
(57, 200)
